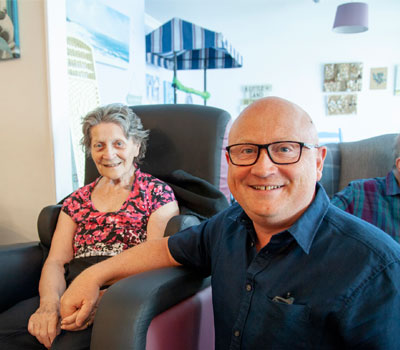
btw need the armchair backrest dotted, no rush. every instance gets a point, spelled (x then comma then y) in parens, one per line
(348, 161)
(182, 137)
(186, 137)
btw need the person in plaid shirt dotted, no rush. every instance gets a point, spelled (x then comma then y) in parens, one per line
(376, 200)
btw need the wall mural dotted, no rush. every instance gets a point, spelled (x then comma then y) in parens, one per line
(9, 30)
(101, 27)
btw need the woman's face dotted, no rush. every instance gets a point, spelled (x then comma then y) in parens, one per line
(112, 152)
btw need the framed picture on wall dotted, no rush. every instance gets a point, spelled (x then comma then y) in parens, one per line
(251, 93)
(341, 104)
(397, 80)
(378, 78)
(152, 89)
(168, 92)
(340, 77)
(9, 30)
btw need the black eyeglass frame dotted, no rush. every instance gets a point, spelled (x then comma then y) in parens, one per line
(260, 147)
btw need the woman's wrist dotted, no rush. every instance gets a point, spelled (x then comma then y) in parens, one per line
(49, 300)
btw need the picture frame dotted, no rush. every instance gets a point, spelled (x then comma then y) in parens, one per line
(341, 104)
(397, 80)
(341, 77)
(9, 30)
(378, 78)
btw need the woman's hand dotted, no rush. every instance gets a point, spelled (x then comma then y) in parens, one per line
(68, 323)
(44, 324)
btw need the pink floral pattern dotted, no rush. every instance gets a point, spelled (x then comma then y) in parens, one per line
(109, 233)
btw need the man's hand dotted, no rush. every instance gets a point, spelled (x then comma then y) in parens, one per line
(69, 323)
(44, 323)
(80, 297)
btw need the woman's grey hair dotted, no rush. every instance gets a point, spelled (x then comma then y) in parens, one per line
(121, 115)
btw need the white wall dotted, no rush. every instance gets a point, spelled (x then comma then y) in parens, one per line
(286, 43)
(27, 169)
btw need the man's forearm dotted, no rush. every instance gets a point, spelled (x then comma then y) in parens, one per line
(83, 292)
(147, 256)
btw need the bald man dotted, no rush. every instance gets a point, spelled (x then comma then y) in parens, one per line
(289, 270)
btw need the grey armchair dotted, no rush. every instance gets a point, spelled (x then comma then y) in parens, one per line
(347, 161)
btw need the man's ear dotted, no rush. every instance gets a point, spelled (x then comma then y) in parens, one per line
(321, 155)
(227, 157)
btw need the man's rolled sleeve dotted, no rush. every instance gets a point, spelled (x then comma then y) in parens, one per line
(191, 248)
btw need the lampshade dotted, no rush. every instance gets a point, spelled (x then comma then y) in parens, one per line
(351, 18)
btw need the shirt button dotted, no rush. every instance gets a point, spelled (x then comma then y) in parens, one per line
(252, 244)
(236, 334)
(248, 287)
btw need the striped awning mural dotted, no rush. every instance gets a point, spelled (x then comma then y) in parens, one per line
(195, 47)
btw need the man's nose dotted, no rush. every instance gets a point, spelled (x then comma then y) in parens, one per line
(264, 164)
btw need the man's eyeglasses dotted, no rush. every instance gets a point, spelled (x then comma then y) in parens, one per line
(280, 152)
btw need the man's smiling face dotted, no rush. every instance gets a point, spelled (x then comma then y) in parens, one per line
(273, 194)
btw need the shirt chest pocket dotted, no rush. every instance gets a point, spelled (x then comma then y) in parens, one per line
(286, 312)
(285, 324)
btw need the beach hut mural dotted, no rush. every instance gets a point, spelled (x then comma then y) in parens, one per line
(181, 45)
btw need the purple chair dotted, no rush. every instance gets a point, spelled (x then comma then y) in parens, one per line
(193, 325)
(159, 310)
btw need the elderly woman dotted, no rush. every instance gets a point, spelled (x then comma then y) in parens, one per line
(120, 209)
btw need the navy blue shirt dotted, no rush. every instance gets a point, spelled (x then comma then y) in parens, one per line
(331, 281)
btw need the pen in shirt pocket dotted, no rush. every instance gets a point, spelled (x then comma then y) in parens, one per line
(288, 299)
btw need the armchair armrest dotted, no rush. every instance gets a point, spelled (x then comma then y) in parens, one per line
(47, 222)
(128, 307)
(180, 222)
(20, 267)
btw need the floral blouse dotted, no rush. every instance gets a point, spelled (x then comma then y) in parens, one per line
(109, 233)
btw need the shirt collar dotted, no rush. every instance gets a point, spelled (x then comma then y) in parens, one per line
(305, 228)
(392, 187)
